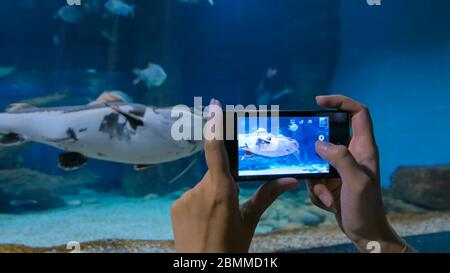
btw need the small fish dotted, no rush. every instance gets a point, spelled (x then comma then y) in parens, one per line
(153, 76)
(119, 8)
(6, 71)
(27, 4)
(69, 14)
(211, 2)
(108, 36)
(92, 6)
(21, 203)
(56, 40)
(45, 100)
(91, 71)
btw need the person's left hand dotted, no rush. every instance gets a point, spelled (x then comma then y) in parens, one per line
(208, 218)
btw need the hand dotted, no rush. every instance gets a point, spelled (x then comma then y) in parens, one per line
(208, 218)
(355, 198)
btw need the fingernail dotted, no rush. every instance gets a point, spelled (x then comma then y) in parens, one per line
(326, 200)
(212, 101)
(322, 146)
(319, 97)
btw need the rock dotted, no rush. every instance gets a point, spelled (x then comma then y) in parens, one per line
(46, 190)
(11, 157)
(73, 202)
(263, 229)
(427, 187)
(396, 205)
(151, 196)
(307, 217)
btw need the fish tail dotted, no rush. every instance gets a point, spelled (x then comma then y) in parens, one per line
(138, 78)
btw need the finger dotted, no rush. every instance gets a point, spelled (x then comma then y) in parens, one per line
(215, 153)
(341, 159)
(265, 196)
(321, 195)
(361, 120)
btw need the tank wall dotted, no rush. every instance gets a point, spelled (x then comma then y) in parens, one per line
(396, 59)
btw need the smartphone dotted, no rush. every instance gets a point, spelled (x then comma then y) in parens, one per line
(263, 145)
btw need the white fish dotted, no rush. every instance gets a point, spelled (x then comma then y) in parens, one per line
(268, 145)
(120, 8)
(119, 132)
(69, 14)
(6, 71)
(153, 75)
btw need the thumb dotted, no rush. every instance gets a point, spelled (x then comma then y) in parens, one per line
(253, 209)
(340, 158)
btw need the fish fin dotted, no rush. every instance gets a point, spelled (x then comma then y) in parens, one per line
(142, 167)
(134, 120)
(71, 161)
(109, 96)
(16, 107)
(138, 78)
(12, 139)
(70, 138)
(132, 11)
(211, 2)
(61, 140)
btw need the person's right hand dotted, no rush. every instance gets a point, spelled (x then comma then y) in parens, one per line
(355, 198)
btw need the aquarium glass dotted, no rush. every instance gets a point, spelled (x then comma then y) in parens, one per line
(85, 174)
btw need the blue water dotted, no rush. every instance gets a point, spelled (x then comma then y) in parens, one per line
(395, 58)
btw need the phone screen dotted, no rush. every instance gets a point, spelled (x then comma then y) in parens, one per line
(285, 147)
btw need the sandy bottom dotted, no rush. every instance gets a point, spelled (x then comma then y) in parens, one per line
(112, 217)
(120, 224)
